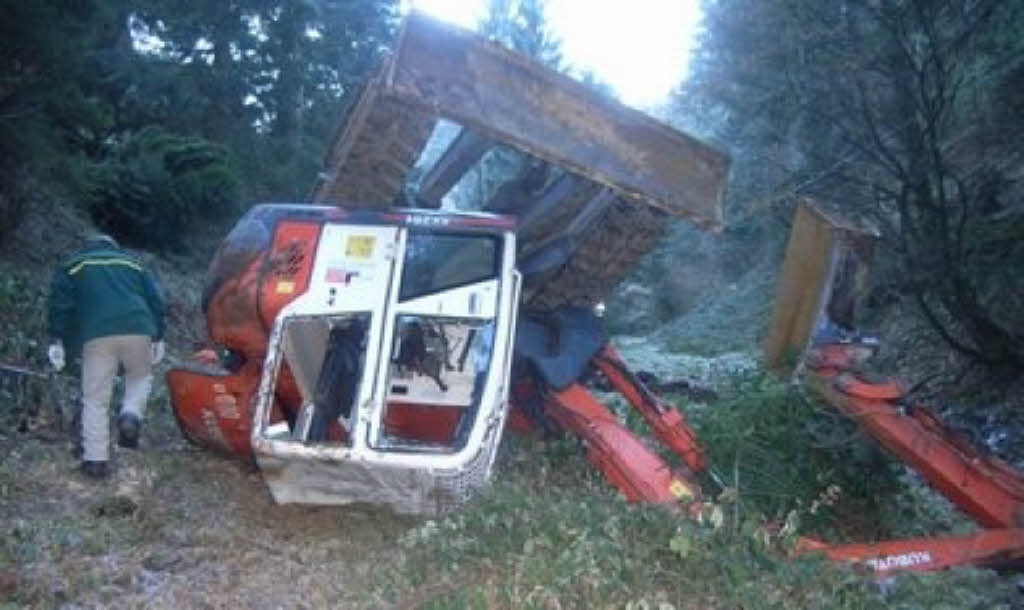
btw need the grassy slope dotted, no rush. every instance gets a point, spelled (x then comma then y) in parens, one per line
(178, 527)
(550, 534)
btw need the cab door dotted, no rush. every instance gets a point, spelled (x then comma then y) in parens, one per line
(438, 339)
(329, 338)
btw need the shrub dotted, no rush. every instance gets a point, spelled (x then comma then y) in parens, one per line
(155, 186)
(22, 329)
(781, 450)
(22, 317)
(16, 189)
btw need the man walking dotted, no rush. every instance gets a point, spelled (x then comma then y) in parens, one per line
(106, 306)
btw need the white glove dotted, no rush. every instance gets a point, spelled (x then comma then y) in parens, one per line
(56, 355)
(158, 349)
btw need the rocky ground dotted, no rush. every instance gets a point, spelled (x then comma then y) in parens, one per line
(713, 372)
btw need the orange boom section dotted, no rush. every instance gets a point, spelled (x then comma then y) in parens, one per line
(981, 485)
(995, 548)
(627, 462)
(668, 424)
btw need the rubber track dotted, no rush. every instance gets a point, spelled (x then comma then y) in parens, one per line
(624, 235)
(386, 147)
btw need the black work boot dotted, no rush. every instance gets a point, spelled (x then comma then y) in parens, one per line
(128, 426)
(95, 469)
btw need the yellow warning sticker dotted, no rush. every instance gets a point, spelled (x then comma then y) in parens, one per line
(360, 246)
(678, 489)
(285, 287)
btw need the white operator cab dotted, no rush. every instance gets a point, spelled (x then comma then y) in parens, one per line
(401, 350)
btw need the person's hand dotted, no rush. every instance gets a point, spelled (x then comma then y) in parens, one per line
(158, 349)
(55, 353)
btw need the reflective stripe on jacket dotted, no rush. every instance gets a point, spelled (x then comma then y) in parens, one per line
(101, 292)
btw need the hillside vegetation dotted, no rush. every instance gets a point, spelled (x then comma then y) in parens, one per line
(162, 121)
(177, 526)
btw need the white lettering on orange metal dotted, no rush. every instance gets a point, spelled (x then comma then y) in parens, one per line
(903, 560)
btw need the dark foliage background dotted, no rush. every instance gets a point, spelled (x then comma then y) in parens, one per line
(908, 115)
(157, 116)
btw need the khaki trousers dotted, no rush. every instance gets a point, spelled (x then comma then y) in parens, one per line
(100, 360)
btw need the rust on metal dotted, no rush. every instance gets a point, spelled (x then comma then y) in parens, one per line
(606, 255)
(813, 278)
(369, 161)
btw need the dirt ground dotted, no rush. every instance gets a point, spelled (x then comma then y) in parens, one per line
(174, 527)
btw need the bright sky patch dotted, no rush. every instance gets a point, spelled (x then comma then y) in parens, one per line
(639, 47)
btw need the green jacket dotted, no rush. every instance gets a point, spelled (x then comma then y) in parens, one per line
(100, 292)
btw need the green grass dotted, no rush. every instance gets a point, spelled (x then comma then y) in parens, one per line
(784, 453)
(550, 532)
(22, 316)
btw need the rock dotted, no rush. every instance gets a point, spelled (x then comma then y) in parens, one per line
(177, 538)
(60, 597)
(132, 485)
(72, 540)
(148, 583)
(8, 583)
(162, 561)
(632, 308)
(116, 506)
(123, 579)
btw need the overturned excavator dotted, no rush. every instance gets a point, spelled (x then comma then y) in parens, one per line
(373, 337)
(374, 344)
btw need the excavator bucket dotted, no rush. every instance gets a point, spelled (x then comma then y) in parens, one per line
(823, 275)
